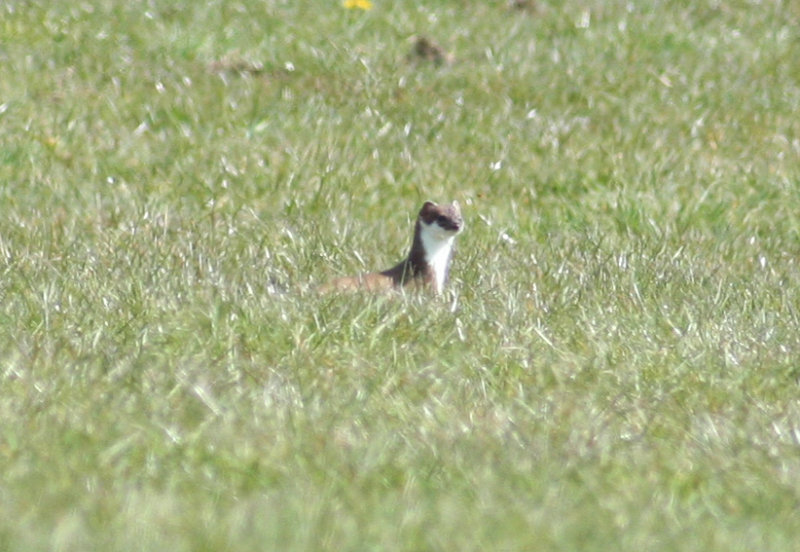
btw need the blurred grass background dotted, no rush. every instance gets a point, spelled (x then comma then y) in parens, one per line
(614, 365)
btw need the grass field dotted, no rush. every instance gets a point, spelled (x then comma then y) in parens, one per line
(614, 365)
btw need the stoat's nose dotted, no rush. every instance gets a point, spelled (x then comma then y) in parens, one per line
(454, 225)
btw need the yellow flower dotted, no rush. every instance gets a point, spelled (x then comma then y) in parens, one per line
(360, 4)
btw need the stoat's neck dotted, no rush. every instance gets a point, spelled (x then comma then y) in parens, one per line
(438, 255)
(430, 253)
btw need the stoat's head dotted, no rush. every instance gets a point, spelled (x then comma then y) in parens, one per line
(441, 222)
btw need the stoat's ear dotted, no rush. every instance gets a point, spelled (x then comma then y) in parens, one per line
(456, 205)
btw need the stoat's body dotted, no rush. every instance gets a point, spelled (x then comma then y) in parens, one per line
(427, 262)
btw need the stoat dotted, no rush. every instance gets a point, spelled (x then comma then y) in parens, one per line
(428, 261)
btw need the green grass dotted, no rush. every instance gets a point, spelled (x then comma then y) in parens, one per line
(613, 367)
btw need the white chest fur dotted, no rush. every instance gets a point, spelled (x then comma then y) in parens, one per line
(438, 244)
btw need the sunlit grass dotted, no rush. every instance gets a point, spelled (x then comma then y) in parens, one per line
(614, 363)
